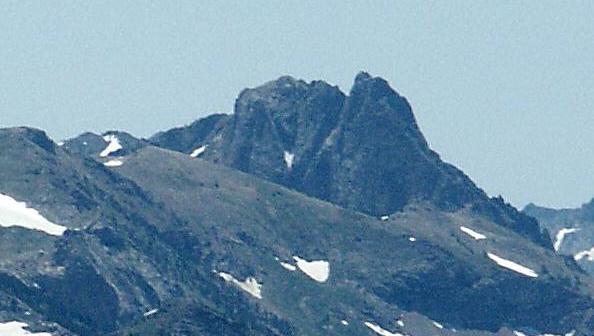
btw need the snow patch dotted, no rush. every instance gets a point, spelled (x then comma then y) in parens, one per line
(150, 312)
(519, 333)
(318, 270)
(400, 323)
(589, 254)
(113, 163)
(15, 328)
(512, 266)
(561, 235)
(288, 266)
(380, 331)
(438, 325)
(199, 151)
(14, 213)
(289, 158)
(250, 285)
(113, 145)
(472, 233)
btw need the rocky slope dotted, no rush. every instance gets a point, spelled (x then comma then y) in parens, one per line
(572, 231)
(419, 260)
(170, 244)
(118, 258)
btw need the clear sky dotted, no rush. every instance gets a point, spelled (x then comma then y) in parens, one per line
(502, 89)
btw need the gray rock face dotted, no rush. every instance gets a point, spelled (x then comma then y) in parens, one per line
(572, 230)
(363, 151)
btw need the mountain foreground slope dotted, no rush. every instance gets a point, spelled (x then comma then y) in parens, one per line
(199, 236)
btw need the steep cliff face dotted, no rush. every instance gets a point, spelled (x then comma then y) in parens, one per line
(376, 160)
(363, 151)
(278, 128)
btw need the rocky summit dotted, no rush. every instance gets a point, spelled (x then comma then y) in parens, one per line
(362, 151)
(305, 212)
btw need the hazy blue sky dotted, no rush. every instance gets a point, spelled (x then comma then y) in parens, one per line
(504, 90)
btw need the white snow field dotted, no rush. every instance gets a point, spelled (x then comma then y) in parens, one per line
(289, 158)
(437, 325)
(15, 328)
(288, 266)
(472, 233)
(113, 163)
(561, 235)
(588, 254)
(198, 151)
(150, 312)
(250, 285)
(512, 266)
(381, 331)
(113, 145)
(15, 213)
(318, 270)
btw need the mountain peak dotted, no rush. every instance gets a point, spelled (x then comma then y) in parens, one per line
(35, 136)
(287, 81)
(374, 98)
(374, 87)
(280, 93)
(363, 151)
(365, 80)
(282, 84)
(362, 76)
(91, 144)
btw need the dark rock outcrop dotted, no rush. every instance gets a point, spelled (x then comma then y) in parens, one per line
(363, 151)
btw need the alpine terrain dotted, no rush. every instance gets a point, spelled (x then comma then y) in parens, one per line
(307, 211)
